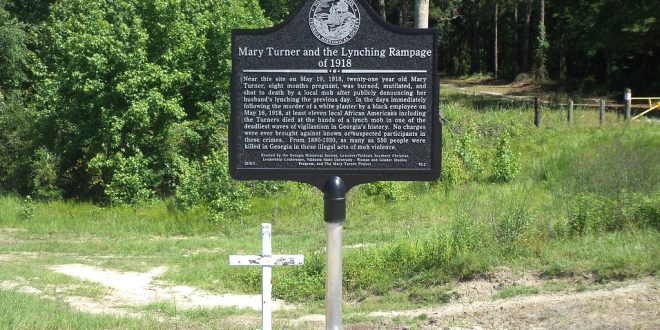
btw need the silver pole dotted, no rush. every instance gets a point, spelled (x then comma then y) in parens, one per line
(333, 285)
(266, 280)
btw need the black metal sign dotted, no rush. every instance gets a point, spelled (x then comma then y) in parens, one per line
(335, 91)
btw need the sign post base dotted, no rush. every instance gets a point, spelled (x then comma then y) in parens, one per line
(335, 215)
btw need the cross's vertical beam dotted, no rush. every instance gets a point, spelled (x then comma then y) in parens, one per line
(266, 261)
(267, 275)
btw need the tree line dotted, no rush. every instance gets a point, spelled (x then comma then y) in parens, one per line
(124, 101)
(585, 45)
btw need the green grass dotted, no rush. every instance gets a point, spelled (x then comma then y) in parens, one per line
(516, 290)
(585, 200)
(24, 311)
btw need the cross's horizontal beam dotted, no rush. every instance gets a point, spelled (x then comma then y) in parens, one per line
(274, 260)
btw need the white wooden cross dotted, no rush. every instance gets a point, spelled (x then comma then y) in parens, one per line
(266, 260)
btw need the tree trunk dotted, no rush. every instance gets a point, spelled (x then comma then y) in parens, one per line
(541, 71)
(495, 19)
(422, 14)
(515, 66)
(381, 9)
(404, 13)
(525, 37)
(474, 51)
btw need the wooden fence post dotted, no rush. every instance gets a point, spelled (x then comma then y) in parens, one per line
(537, 112)
(570, 112)
(601, 114)
(627, 97)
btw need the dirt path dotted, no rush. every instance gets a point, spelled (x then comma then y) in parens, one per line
(636, 305)
(573, 303)
(633, 304)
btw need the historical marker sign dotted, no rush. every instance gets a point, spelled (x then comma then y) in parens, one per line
(335, 91)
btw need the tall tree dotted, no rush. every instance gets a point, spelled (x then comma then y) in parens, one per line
(404, 13)
(421, 14)
(134, 91)
(540, 53)
(525, 37)
(13, 51)
(495, 45)
(475, 60)
(381, 9)
(515, 66)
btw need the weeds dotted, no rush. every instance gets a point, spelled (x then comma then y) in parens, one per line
(560, 200)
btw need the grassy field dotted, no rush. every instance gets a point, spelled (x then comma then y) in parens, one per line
(560, 200)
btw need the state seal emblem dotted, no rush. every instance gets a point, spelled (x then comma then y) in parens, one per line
(334, 22)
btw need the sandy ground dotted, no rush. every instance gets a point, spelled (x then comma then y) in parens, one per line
(128, 289)
(575, 303)
(631, 304)
(636, 305)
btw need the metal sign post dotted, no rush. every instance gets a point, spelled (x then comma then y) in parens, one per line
(266, 260)
(335, 107)
(334, 216)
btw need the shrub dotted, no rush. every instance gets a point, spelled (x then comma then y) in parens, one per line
(469, 152)
(506, 161)
(389, 190)
(207, 182)
(43, 177)
(513, 228)
(132, 89)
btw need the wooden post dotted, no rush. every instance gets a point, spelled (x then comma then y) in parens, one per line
(601, 113)
(627, 97)
(570, 112)
(537, 112)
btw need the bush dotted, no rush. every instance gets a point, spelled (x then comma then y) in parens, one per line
(207, 182)
(506, 161)
(469, 152)
(513, 228)
(592, 213)
(13, 51)
(389, 190)
(131, 90)
(43, 179)
(15, 144)
(588, 215)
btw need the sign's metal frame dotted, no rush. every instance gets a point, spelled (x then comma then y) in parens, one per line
(335, 182)
(351, 177)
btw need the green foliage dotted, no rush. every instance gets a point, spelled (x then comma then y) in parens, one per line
(512, 229)
(43, 179)
(302, 283)
(428, 296)
(131, 177)
(591, 213)
(505, 163)
(468, 150)
(27, 209)
(462, 152)
(278, 10)
(389, 190)
(264, 188)
(207, 183)
(541, 52)
(14, 149)
(133, 90)
(516, 290)
(13, 51)
(452, 169)
(604, 163)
